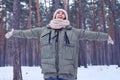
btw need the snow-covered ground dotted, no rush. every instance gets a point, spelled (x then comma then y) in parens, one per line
(90, 73)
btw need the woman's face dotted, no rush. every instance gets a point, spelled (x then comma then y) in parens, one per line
(60, 15)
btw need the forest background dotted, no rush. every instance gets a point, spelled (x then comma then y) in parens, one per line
(94, 15)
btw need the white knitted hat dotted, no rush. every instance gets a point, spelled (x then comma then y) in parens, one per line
(65, 12)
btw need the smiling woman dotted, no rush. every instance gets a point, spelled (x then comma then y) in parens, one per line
(59, 45)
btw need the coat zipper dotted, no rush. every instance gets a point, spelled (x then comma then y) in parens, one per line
(57, 54)
(57, 60)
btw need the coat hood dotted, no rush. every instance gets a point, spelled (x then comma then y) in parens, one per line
(65, 12)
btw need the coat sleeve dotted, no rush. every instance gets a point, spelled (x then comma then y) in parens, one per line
(30, 33)
(91, 35)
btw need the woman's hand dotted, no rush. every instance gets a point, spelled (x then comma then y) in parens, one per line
(110, 41)
(9, 34)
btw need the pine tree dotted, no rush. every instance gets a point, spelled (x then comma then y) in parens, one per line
(17, 74)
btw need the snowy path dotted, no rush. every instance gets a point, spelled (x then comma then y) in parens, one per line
(90, 73)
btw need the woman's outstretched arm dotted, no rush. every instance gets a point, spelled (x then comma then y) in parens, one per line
(30, 33)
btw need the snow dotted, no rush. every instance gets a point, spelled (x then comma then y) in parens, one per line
(91, 73)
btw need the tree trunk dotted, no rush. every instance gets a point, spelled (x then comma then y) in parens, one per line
(46, 10)
(37, 43)
(38, 12)
(83, 43)
(116, 33)
(104, 26)
(66, 4)
(111, 33)
(2, 39)
(66, 7)
(56, 4)
(17, 74)
(77, 14)
(29, 42)
(94, 42)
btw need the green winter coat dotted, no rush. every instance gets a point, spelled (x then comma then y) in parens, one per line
(59, 48)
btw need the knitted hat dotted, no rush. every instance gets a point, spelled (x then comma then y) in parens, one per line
(65, 12)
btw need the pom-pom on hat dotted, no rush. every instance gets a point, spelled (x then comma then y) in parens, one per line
(65, 12)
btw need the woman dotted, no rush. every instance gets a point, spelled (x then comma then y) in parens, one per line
(59, 45)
